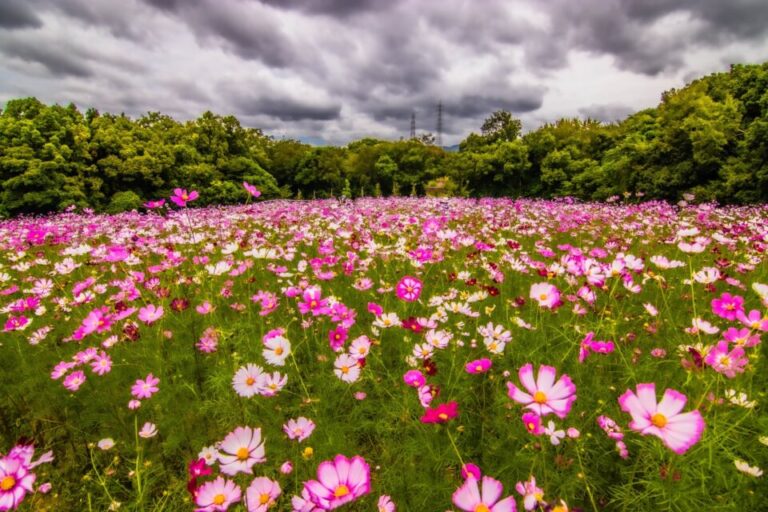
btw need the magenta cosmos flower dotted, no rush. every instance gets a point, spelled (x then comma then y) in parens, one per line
(145, 388)
(725, 361)
(217, 496)
(544, 395)
(470, 498)
(408, 289)
(15, 482)
(251, 189)
(181, 197)
(441, 414)
(727, 306)
(677, 431)
(240, 450)
(339, 481)
(478, 366)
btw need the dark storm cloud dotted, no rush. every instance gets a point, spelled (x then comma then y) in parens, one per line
(17, 14)
(340, 69)
(335, 8)
(284, 108)
(626, 29)
(58, 60)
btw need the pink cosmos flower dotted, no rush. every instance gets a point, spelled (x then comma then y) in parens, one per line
(678, 431)
(154, 204)
(589, 344)
(251, 189)
(217, 496)
(408, 289)
(375, 309)
(101, 364)
(385, 504)
(248, 380)
(148, 430)
(414, 378)
(204, 308)
(547, 295)
(532, 422)
(441, 414)
(339, 482)
(470, 498)
(544, 395)
(754, 320)
(98, 320)
(145, 388)
(16, 323)
(150, 313)
(337, 337)
(471, 469)
(313, 302)
(729, 363)
(533, 495)
(74, 380)
(299, 429)
(741, 337)
(15, 481)
(181, 197)
(261, 494)
(727, 306)
(478, 366)
(240, 450)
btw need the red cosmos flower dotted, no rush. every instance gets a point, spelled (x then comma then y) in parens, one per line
(441, 414)
(198, 468)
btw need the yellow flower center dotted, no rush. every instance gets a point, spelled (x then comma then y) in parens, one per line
(279, 351)
(543, 296)
(539, 397)
(659, 420)
(219, 499)
(479, 368)
(243, 453)
(341, 491)
(442, 416)
(730, 307)
(755, 325)
(186, 197)
(725, 361)
(482, 507)
(493, 346)
(531, 426)
(345, 370)
(8, 483)
(250, 380)
(264, 499)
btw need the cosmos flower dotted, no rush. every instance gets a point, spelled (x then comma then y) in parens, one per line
(725, 361)
(678, 431)
(145, 388)
(240, 450)
(546, 294)
(441, 414)
(148, 430)
(181, 197)
(252, 190)
(339, 482)
(470, 498)
(478, 366)
(347, 368)
(15, 481)
(276, 350)
(261, 494)
(408, 289)
(217, 495)
(533, 495)
(299, 429)
(727, 306)
(545, 396)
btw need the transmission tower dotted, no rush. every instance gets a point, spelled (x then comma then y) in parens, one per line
(413, 124)
(440, 124)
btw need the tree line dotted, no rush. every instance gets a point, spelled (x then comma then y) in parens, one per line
(709, 138)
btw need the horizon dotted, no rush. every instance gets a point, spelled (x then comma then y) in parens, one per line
(336, 71)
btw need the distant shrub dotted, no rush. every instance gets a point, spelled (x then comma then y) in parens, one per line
(124, 201)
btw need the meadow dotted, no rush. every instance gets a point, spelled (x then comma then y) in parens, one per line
(412, 354)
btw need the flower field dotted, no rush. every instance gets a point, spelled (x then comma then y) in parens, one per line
(385, 354)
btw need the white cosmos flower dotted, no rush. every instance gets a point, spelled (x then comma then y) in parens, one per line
(276, 350)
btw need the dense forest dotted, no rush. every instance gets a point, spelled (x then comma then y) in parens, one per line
(709, 138)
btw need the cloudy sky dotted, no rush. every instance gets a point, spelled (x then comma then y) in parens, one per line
(339, 70)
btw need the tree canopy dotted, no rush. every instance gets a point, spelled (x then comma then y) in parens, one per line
(709, 138)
